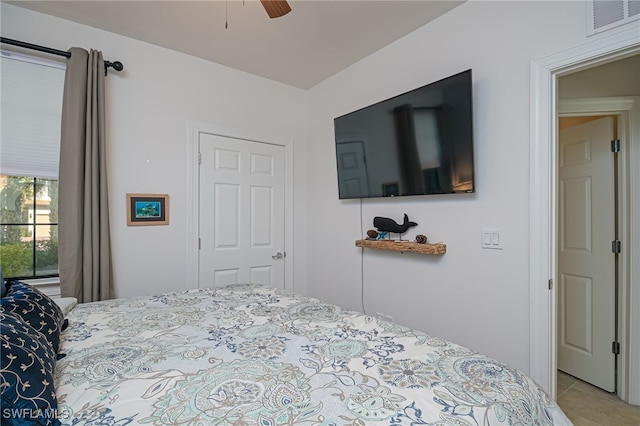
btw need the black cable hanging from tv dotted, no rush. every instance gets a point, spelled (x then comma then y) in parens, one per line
(116, 65)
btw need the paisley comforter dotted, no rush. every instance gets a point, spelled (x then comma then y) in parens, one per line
(254, 355)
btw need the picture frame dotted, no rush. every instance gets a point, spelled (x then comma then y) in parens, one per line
(147, 209)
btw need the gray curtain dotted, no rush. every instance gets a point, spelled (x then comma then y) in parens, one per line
(84, 252)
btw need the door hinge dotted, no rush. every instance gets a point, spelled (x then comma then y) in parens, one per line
(199, 158)
(616, 246)
(615, 145)
(550, 283)
(199, 244)
(615, 348)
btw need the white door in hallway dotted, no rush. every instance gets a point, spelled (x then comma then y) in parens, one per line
(241, 212)
(586, 221)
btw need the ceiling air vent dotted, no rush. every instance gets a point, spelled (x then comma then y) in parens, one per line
(607, 14)
(634, 8)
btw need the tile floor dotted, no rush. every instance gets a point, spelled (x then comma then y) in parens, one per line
(587, 405)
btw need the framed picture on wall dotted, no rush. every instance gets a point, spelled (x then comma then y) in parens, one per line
(147, 209)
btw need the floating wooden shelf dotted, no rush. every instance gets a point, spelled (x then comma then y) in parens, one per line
(404, 246)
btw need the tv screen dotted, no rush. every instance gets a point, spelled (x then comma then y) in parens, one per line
(416, 143)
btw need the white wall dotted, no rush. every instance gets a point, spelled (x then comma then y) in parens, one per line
(618, 78)
(476, 297)
(148, 109)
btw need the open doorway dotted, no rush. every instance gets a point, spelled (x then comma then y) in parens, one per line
(595, 110)
(618, 44)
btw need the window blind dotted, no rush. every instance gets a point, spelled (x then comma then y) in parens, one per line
(30, 114)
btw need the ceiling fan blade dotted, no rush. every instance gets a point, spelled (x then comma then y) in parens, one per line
(276, 8)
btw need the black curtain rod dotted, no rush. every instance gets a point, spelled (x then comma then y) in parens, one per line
(116, 65)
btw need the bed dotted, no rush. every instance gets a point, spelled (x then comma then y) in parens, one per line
(253, 355)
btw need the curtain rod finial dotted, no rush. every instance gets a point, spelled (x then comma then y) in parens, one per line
(116, 65)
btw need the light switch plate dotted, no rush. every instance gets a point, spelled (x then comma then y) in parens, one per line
(492, 238)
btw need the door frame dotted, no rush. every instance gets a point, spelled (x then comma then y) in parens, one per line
(604, 47)
(195, 128)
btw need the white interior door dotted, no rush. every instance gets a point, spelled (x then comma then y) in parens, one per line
(354, 181)
(241, 212)
(586, 303)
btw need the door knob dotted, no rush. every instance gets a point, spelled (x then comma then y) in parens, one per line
(278, 255)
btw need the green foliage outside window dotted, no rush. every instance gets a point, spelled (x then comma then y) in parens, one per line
(28, 226)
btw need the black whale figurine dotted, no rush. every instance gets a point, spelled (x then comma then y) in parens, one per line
(384, 224)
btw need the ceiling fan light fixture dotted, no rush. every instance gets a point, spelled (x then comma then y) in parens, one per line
(276, 8)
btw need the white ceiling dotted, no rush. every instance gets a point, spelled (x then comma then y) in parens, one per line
(314, 41)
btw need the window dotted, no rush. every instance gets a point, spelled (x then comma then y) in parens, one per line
(31, 110)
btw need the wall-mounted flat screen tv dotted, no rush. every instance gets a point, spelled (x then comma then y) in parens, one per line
(416, 143)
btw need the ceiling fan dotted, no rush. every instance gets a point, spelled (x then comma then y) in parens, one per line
(276, 8)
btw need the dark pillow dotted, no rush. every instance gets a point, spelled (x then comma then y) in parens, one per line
(26, 375)
(36, 309)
